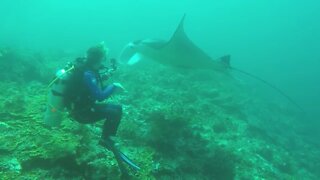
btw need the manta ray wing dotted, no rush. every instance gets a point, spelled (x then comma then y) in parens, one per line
(181, 52)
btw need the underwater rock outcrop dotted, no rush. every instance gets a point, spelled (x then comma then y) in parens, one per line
(22, 66)
(175, 126)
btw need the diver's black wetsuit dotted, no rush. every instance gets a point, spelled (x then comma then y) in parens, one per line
(87, 111)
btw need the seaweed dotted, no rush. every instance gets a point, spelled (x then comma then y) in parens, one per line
(174, 138)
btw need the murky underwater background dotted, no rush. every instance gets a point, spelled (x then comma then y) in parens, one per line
(232, 117)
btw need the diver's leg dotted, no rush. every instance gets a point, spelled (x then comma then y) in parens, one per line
(89, 116)
(113, 114)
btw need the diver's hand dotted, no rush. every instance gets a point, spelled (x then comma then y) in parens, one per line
(119, 87)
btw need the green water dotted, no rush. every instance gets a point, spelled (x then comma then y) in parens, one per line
(278, 41)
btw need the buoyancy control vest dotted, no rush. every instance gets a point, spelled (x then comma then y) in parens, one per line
(67, 92)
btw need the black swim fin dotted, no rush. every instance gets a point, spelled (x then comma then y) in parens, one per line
(128, 161)
(120, 156)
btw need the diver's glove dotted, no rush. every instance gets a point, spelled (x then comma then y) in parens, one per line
(119, 88)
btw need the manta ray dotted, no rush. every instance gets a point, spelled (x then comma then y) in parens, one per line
(178, 52)
(181, 52)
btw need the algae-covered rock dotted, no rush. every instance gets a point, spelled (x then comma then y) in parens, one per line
(22, 66)
(176, 125)
(10, 164)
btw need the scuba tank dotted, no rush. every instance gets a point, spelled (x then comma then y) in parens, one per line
(55, 105)
(63, 89)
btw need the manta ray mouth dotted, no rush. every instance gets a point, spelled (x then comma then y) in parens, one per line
(135, 59)
(127, 53)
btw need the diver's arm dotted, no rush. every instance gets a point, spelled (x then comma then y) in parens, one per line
(92, 83)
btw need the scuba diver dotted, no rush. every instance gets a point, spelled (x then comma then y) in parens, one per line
(79, 89)
(82, 106)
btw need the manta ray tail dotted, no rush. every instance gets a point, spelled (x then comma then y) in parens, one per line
(272, 86)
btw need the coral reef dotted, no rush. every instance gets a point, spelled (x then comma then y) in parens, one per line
(23, 66)
(177, 125)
